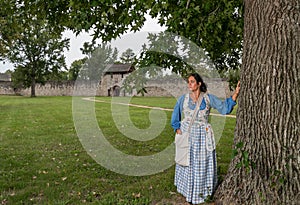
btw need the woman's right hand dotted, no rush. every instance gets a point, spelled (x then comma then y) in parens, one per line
(178, 131)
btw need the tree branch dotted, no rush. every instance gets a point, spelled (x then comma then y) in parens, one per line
(187, 4)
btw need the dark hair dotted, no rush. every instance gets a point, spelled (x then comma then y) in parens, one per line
(203, 87)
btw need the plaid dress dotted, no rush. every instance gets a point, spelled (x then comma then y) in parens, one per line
(198, 180)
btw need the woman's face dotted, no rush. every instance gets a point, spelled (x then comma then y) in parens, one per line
(192, 84)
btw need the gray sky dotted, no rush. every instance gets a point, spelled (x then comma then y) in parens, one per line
(126, 41)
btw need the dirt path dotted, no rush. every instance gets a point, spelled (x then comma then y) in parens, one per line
(148, 107)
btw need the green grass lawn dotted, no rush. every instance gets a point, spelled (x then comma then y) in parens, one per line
(43, 162)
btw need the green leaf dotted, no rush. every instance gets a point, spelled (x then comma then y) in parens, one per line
(245, 155)
(111, 11)
(239, 165)
(234, 153)
(239, 145)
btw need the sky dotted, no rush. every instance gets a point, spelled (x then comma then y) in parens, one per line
(129, 40)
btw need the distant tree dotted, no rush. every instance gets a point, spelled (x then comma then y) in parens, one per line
(37, 54)
(75, 68)
(98, 58)
(8, 71)
(57, 76)
(128, 56)
(20, 77)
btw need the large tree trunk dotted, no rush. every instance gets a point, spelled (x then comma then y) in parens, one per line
(268, 118)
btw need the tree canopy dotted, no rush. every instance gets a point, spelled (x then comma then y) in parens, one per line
(128, 56)
(75, 68)
(216, 26)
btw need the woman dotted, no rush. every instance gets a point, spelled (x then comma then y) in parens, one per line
(198, 180)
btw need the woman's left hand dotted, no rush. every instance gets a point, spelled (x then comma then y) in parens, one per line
(236, 92)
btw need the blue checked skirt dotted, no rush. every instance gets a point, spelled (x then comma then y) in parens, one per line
(198, 180)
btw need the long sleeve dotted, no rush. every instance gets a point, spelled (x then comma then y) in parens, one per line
(224, 107)
(176, 115)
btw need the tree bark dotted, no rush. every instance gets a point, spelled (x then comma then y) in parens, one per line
(266, 169)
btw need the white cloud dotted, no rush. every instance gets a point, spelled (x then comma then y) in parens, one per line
(4, 66)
